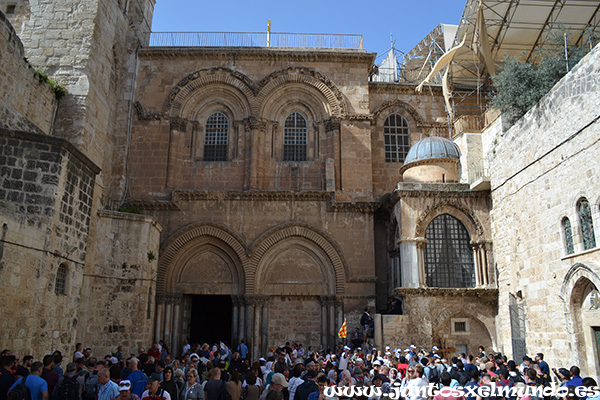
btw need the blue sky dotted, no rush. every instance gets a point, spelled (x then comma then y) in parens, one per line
(407, 20)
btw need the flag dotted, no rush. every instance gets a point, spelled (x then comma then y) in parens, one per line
(342, 332)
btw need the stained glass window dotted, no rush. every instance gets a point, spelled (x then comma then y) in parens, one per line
(396, 138)
(295, 138)
(216, 137)
(587, 226)
(568, 235)
(448, 254)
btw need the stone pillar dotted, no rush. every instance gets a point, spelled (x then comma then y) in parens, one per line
(332, 127)
(249, 322)
(256, 338)
(177, 139)
(477, 266)
(242, 319)
(160, 318)
(255, 130)
(264, 324)
(324, 330)
(235, 320)
(486, 249)
(176, 341)
(378, 333)
(168, 332)
(331, 321)
(420, 242)
(339, 303)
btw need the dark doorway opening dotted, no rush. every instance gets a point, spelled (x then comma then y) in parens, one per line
(211, 319)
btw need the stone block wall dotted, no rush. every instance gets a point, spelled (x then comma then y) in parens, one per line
(25, 102)
(119, 289)
(295, 319)
(540, 168)
(46, 191)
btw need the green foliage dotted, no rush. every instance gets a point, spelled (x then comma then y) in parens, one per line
(59, 89)
(151, 256)
(130, 209)
(521, 84)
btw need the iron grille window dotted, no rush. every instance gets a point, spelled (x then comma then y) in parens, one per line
(587, 226)
(60, 286)
(396, 138)
(568, 235)
(295, 136)
(448, 254)
(216, 137)
(460, 326)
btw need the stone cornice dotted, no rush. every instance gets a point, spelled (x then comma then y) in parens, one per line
(401, 88)
(363, 279)
(263, 54)
(180, 196)
(360, 207)
(440, 190)
(428, 161)
(486, 295)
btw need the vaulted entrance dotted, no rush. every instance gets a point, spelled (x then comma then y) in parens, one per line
(210, 319)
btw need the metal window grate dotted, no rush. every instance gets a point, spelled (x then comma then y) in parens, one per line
(60, 286)
(295, 138)
(448, 254)
(460, 326)
(396, 138)
(216, 138)
(568, 235)
(587, 226)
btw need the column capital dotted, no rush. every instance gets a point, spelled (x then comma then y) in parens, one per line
(178, 124)
(254, 123)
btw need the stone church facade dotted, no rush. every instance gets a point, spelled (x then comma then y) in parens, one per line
(256, 193)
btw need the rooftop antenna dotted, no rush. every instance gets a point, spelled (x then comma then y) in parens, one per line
(269, 33)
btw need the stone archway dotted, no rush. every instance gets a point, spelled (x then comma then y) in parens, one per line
(298, 272)
(204, 260)
(582, 302)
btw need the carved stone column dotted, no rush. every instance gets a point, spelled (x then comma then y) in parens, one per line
(235, 323)
(160, 317)
(168, 332)
(339, 304)
(176, 339)
(255, 131)
(324, 317)
(264, 324)
(421, 241)
(332, 127)
(177, 144)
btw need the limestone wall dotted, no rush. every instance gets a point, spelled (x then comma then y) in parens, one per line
(119, 291)
(46, 192)
(540, 168)
(424, 113)
(25, 103)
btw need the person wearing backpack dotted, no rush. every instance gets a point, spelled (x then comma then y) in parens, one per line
(431, 372)
(6, 377)
(71, 385)
(38, 388)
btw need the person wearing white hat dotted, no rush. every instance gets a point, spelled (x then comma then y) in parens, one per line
(344, 358)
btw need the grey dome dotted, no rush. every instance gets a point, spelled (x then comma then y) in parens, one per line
(431, 148)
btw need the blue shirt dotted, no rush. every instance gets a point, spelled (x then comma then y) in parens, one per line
(108, 391)
(35, 384)
(243, 350)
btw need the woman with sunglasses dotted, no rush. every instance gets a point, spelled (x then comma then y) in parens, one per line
(125, 391)
(168, 384)
(192, 390)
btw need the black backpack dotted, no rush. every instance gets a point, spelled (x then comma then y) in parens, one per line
(69, 389)
(20, 392)
(434, 374)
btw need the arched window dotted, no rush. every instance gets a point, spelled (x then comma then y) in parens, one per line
(396, 138)
(448, 254)
(566, 224)
(295, 134)
(216, 137)
(587, 226)
(60, 286)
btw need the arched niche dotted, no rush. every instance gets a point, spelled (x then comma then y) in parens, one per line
(295, 266)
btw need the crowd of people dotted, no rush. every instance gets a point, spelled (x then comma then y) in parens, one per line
(289, 372)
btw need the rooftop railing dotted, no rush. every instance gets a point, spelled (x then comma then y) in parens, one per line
(256, 39)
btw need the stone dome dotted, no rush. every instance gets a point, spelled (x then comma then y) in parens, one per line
(431, 148)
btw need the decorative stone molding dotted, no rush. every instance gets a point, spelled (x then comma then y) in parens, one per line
(309, 76)
(332, 124)
(395, 88)
(358, 207)
(483, 295)
(182, 90)
(145, 115)
(253, 123)
(573, 276)
(436, 209)
(178, 123)
(403, 106)
(363, 279)
(190, 233)
(297, 229)
(359, 117)
(158, 205)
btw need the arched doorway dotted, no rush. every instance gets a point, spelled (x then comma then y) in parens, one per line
(200, 277)
(585, 312)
